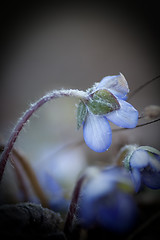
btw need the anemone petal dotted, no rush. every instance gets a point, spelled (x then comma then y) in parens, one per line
(151, 179)
(116, 84)
(136, 178)
(126, 116)
(139, 159)
(154, 162)
(97, 132)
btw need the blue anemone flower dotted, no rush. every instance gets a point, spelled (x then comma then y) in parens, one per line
(96, 128)
(106, 201)
(143, 164)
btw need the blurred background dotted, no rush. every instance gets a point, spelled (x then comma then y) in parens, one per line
(48, 46)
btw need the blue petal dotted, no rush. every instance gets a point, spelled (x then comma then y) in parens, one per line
(136, 179)
(51, 186)
(117, 213)
(126, 116)
(87, 211)
(154, 162)
(151, 179)
(115, 84)
(101, 184)
(139, 159)
(97, 133)
(117, 94)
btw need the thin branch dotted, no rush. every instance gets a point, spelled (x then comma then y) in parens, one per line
(74, 144)
(141, 87)
(139, 125)
(144, 226)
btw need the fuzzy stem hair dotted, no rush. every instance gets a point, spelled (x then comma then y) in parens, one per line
(32, 109)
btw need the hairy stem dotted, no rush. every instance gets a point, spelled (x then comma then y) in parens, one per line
(33, 108)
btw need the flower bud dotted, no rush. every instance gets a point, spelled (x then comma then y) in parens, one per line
(152, 111)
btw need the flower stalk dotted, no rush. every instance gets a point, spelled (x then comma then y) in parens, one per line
(73, 206)
(33, 108)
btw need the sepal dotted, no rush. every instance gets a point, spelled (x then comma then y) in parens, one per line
(81, 114)
(102, 102)
(150, 150)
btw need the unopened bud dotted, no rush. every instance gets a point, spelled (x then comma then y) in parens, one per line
(152, 111)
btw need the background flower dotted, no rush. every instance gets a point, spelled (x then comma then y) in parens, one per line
(106, 201)
(57, 172)
(144, 165)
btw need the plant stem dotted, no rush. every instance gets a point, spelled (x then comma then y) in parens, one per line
(21, 179)
(73, 206)
(134, 92)
(139, 125)
(31, 176)
(33, 107)
(144, 226)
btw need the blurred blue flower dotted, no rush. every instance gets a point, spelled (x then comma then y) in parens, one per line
(53, 192)
(57, 171)
(96, 128)
(106, 201)
(143, 164)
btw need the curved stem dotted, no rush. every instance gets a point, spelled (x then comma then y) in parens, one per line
(21, 122)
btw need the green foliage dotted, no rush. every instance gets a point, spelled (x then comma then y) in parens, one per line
(81, 114)
(103, 102)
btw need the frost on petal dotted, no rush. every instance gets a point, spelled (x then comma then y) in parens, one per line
(126, 116)
(97, 133)
(139, 159)
(116, 84)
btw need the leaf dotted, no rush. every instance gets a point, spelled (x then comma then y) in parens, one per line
(103, 102)
(81, 114)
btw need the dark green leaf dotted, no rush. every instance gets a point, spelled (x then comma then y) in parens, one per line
(103, 102)
(81, 114)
